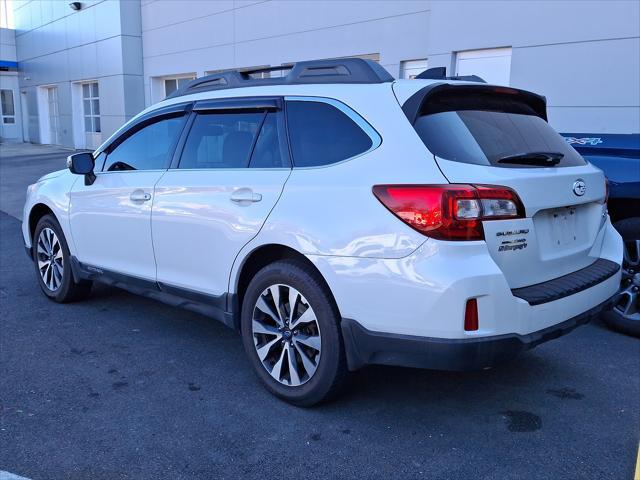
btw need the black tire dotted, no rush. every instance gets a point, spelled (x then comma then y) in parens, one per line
(331, 370)
(629, 229)
(68, 289)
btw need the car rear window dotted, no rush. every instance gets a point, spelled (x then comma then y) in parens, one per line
(320, 134)
(485, 137)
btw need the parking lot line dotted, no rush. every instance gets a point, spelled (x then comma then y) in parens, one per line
(637, 475)
(10, 476)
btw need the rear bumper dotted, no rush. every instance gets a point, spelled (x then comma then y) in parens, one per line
(424, 294)
(365, 347)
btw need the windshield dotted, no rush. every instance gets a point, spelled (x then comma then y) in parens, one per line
(495, 138)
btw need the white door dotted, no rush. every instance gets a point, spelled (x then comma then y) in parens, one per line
(8, 128)
(411, 68)
(111, 219)
(218, 198)
(492, 64)
(54, 117)
(25, 117)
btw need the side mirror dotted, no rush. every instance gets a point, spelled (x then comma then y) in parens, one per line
(82, 164)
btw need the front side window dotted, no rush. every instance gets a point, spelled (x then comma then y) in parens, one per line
(149, 148)
(221, 140)
(321, 134)
(91, 107)
(7, 106)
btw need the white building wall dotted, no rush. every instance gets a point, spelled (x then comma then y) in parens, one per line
(584, 56)
(195, 36)
(60, 47)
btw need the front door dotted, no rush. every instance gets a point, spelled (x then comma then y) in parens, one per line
(232, 170)
(111, 219)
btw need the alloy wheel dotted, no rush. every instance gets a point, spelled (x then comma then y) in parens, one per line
(628, 302)
(286, 335)
(50, 259)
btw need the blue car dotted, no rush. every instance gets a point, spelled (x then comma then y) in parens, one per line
(618, 156)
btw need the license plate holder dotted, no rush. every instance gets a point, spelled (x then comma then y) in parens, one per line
(563, 225)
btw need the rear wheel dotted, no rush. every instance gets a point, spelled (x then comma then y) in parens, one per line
(290, 332)
(625, 315)
(51, 259)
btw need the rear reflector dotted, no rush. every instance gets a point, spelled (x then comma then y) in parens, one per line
(471, 315)
(450, 212)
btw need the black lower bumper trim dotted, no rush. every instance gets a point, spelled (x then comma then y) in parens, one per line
(575, 282)
(365, 347)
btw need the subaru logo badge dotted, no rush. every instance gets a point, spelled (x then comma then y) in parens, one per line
(579, 187)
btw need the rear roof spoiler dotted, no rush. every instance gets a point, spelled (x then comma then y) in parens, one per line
(441, 97)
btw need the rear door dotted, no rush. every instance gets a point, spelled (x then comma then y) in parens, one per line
(500, 136)
(233, 165)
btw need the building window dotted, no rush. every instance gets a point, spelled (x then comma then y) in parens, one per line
(492, 64)
(411, 68)
(91, 105)
(7, 107)
(246, 69)
(173, 84)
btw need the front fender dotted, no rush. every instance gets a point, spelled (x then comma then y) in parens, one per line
(51, 191)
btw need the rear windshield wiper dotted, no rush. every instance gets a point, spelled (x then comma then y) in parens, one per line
(538, 159)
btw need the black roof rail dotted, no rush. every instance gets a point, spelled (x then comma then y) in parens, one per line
(339, 70)
(440, 73)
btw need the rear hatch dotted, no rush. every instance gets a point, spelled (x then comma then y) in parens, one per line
(481, 134)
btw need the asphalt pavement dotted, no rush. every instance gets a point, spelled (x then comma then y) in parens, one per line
(123, 387)
(22, 164)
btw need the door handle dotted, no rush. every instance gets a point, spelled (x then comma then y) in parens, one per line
(245, 195)
(140, 196)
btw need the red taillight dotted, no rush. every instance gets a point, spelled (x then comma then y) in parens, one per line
(471, 315)
(450, 212)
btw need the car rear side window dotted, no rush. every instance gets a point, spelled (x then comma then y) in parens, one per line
(149, 148)
(495, 138)
(321, 134)
(221, 140)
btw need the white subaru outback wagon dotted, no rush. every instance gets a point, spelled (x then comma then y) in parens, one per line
(337, 218)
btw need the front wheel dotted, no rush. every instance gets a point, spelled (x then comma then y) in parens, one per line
(51, 259)
(290, 331)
